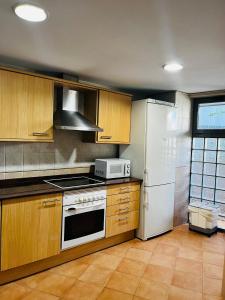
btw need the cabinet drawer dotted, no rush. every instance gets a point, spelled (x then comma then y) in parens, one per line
(121, 223)
(124, 198)
(120, 209)
(122, 188)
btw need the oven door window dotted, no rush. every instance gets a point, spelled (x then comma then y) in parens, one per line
(83, 224)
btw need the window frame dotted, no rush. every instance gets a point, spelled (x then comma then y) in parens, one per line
(217, 133)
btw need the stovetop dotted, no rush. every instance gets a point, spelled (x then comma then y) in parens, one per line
(74, 182)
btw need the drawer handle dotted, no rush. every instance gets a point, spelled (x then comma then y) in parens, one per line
(123, 219)
(40, 133)
(45, 203)
(106, 137)
(125, 190)
(124, 210)
(124, 200)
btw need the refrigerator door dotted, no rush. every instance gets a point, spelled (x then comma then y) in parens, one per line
(157, 209)
(160, 156)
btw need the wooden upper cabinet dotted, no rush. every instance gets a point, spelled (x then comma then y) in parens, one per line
(31, 229)
(114, 113)
(26, 107)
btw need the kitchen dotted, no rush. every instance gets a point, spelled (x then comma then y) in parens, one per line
(110, 188)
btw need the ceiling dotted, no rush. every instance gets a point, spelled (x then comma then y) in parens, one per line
(122, 43)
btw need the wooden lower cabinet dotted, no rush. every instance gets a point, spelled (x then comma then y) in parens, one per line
(31, 229)
(63, 257)
(122, 213)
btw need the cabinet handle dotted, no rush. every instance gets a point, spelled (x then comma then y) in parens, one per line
(40, 133)
(45, 203)
(105, 137)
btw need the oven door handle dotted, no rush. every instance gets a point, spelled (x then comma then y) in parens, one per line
(73, 209)
(89, 207)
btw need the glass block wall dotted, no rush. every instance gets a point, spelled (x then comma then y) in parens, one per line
(208, 171)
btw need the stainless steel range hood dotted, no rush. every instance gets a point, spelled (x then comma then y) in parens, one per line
(68, 115)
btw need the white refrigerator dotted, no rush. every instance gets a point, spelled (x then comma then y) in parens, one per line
(153, 156)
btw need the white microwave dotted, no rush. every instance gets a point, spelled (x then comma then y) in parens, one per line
(112, 168)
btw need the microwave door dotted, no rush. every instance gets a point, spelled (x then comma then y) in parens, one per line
(116, 170)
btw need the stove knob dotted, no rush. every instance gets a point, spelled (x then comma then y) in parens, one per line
(89, 199)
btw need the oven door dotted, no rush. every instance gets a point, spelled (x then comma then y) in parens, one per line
(82, 225)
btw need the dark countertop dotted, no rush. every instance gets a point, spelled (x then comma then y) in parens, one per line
(15, 188)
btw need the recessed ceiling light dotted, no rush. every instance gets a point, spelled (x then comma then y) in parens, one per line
(173, 67)
(30, 12)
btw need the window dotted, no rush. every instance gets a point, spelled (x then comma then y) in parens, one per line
(208, 152)
(209, 117)
(208, 171)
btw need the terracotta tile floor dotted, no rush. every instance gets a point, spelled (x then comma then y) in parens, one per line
(179, 265)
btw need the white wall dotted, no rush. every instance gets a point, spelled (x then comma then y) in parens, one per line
(183, 104)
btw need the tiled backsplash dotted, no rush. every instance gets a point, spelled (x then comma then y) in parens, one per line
(67, 152)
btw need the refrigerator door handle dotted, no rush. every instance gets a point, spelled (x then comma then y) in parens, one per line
(146, 204)
(146, 171)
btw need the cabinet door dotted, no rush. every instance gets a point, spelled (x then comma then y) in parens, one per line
(122, 118)
(40, 109)
(26, 107)
(31, 229)
(105, 117)
(114, 117)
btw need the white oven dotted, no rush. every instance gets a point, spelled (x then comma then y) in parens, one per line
(112, 168)
(83, 216)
